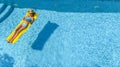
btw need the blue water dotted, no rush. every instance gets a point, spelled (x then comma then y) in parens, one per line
(85, 36)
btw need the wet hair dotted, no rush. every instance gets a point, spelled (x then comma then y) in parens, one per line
(31, 11)
(32, 14)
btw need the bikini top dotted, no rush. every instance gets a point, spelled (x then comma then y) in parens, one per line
(28, 19)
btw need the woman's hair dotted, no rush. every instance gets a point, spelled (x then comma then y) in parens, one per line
(33, 14)
(31, 11)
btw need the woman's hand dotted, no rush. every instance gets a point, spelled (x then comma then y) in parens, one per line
(24, 18)
(18, 28)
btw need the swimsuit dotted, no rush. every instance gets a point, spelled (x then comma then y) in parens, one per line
(24, 25)
(27, 19)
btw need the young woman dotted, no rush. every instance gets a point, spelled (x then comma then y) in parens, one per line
(27, 20)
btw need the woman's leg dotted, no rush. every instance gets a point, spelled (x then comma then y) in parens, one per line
(16, 34)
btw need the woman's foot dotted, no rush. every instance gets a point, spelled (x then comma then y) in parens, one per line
(9, 41)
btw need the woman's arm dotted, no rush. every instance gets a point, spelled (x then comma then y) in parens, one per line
(24, 17)
(18, 28)
(32, 20)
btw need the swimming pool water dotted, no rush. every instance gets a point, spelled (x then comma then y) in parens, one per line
(63, 39)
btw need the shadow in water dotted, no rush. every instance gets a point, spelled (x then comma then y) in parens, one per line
(68, 5)
(3, 8)
(7, 14)
(44, 35)
(6, 61)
